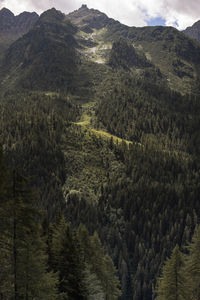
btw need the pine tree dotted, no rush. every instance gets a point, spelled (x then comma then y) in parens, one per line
(27, 277)
(192, 268)
(102, 265)
(92, 282)
(67, 260)
(171, 285)
(34, 281)
(6, 271)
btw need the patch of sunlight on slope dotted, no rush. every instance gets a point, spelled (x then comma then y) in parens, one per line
(107, 135)
(85, 122)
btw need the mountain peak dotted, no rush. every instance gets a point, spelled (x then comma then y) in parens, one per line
(84, 17)
(26, 13)
(84, 6)
(7, 19)
(5, 12)
(52, 14)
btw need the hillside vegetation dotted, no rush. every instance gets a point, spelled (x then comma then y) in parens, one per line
(100, 130)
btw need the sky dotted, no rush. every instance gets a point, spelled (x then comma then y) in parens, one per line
(177, 13)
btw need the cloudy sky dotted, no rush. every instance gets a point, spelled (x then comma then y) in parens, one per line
(177, 13)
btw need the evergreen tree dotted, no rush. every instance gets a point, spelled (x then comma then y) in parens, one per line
(67, 259)
(34, 281)
(103, 266)
(27, 276)
(171, 285)
(192, 268)
(93, 284)
(6, 271)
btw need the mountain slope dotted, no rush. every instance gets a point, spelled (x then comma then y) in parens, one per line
(55, 48)
(170, 50)
(45, 58)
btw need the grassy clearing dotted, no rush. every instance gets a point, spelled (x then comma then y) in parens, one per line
(51, 94)
(107, 135)
(85, 122)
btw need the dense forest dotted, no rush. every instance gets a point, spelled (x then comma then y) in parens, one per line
(42, 260)
(99, 162)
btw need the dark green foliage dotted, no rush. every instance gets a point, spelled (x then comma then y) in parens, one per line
(172, 284)
(151, 202)
(181, 69)
(31, 131)
(84, 270)
(81, 270)
(139, 196)
(23, 257)
(180, 277)
(68, 261)
(146, 193)
(192, 267)
(125, 56)
(144, 110)
(164, 45)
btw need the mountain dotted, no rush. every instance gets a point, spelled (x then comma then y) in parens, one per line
(44, 58)
(7, 19)
(16, 24)
(85, 37)
(12, 27)
(171, 51)
(104, 120)
(88, 19)
(193, 31)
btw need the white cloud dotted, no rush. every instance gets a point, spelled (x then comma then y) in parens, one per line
(180, 13)
(126, 12)
(39, 6)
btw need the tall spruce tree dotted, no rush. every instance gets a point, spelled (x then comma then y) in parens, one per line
(171, 285)
(103, 266)
(67, 259)
(192, 268)
(92, 282)
(6, 269)
(23, 254)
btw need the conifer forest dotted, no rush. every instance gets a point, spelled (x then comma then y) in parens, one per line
(99, 159)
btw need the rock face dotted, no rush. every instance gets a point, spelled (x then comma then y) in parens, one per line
(25, 21)
(193, 31)
(16, 24)
(13, 27)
